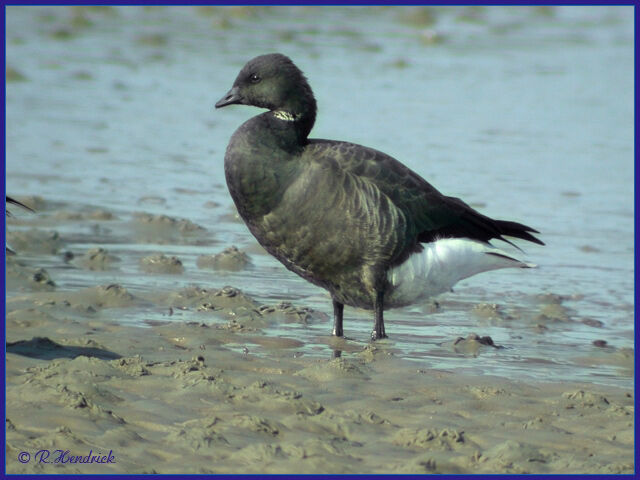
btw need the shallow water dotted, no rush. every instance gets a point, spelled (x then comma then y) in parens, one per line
(525, 113)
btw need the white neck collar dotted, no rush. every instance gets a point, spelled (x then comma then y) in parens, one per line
(286, 116)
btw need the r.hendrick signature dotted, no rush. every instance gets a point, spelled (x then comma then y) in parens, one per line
(64, 456)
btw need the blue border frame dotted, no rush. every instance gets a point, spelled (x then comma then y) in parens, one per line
(328, 2)
(3, 236)
(635, 228)
(355, 3)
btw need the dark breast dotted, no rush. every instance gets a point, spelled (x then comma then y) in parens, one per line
(257, 168)
(333, 228)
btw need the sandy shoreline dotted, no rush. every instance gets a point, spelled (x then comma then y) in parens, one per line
(215, 394)
(183, 398)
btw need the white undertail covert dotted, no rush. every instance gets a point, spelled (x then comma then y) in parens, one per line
(441, 265)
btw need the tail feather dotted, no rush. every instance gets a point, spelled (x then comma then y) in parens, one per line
(465, 222)
(518, 230)
(16, 202)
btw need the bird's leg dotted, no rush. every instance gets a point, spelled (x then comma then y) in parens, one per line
(378, 319)
(338, 308)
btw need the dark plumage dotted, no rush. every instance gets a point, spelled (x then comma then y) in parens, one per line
(8, 214)
(348, 218)
(15, 202)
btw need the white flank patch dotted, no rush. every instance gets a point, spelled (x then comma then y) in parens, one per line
(441, 265)
(282, 115)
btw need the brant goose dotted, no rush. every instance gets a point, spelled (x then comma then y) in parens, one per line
(345, 217)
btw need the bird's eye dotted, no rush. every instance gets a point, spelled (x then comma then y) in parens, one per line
(254, 78)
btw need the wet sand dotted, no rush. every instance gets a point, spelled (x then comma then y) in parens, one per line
(174, 398)
(218, 395)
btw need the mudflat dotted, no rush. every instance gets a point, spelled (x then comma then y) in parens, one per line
(195, 397)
